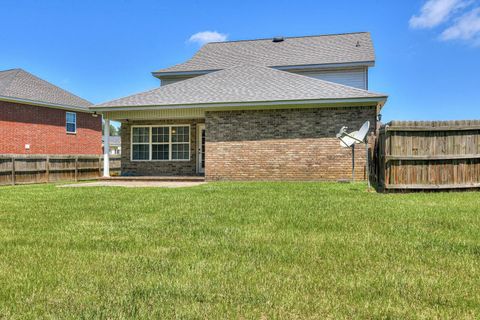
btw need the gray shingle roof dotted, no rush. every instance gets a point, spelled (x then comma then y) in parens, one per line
(19, 84)
(244, 83)
(310, 50)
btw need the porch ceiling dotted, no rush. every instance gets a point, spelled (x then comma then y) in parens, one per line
(155, 114)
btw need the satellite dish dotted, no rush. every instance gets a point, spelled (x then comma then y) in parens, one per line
(349, 139)
(362, 133)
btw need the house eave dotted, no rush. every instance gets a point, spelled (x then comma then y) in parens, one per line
(324, 102)
(45, 104)
(172, 74)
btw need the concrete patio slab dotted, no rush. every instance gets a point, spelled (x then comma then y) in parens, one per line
(134, 184)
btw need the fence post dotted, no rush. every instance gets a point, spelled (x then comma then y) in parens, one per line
(76, 168)
(47, 169)
(13, 170)
(99, 166)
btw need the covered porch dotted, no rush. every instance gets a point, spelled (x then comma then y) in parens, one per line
(159, 145)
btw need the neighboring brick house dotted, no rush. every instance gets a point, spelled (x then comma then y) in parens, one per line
(265, 109)
(37, 117)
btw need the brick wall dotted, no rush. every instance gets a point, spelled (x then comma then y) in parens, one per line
(159, 168)
(288, 144)
(44, 130)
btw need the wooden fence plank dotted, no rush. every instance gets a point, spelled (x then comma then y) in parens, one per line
(47, 168)
(13, 170)
(428, 155)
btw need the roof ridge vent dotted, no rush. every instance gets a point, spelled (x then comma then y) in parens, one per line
(278, 39)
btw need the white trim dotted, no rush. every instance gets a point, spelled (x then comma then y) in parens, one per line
(200, 127)
(46, 104)
(182, 73)
(66, 122)
(327, 65)
(106, 148)
(331, 102)
(170, 143)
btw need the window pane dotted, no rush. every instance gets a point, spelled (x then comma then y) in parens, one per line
(160, 134)
(140, 152)
(180, 152)
(181, 134)
(141, 135)
(71, 117)
(159, 151)
(71, 127)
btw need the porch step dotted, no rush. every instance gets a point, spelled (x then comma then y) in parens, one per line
(157, 178)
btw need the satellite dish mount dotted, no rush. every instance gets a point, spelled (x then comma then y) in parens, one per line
(349, 140)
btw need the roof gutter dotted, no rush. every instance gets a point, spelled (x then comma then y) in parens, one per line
(182, 73)
(327, 66)
(46, 104)
(372, 100)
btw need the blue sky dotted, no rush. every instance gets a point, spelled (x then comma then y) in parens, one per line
(428, 52)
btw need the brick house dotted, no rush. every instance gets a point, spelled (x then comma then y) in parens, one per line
(264, 109)
(37, 117)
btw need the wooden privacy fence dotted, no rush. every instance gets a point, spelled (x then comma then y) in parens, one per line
(23, 169)
(428, 155)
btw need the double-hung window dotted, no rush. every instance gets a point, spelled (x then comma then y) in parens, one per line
(180, 137)
(141, 143)
(71, 122)
(161, 143)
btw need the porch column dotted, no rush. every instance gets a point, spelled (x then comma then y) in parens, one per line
(106, 149)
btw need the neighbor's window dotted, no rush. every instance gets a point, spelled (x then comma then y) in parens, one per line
(161, 143)
(71, 122)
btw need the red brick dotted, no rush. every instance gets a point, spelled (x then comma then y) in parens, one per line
(44, 130)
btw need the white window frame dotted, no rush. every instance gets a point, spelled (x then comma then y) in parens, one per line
(149, 143)
(170, 143)
(66, 122)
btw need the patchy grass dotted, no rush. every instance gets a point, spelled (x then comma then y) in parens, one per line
(238, 250)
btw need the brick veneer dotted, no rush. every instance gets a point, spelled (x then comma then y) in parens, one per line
(44, 130)
(159, 168)
(284, 144)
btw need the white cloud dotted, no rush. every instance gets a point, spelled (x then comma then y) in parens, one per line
(467, 27)
(436, 12)
(208, 36)
(460, 17)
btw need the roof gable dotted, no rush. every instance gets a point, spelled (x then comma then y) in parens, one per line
(240, 84)
(22, 85)
(292, 51)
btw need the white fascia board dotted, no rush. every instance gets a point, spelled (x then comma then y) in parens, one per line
(45, 104)
(159, 74)
(373, 101)
(327, 66)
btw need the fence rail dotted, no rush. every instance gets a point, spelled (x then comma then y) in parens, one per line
(428, 155)
(24, 169)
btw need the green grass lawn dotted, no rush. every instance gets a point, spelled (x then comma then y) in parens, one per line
(238, 250)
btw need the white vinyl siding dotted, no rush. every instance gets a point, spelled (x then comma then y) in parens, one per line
(166, 81)
(357, 78)
(354, 77)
